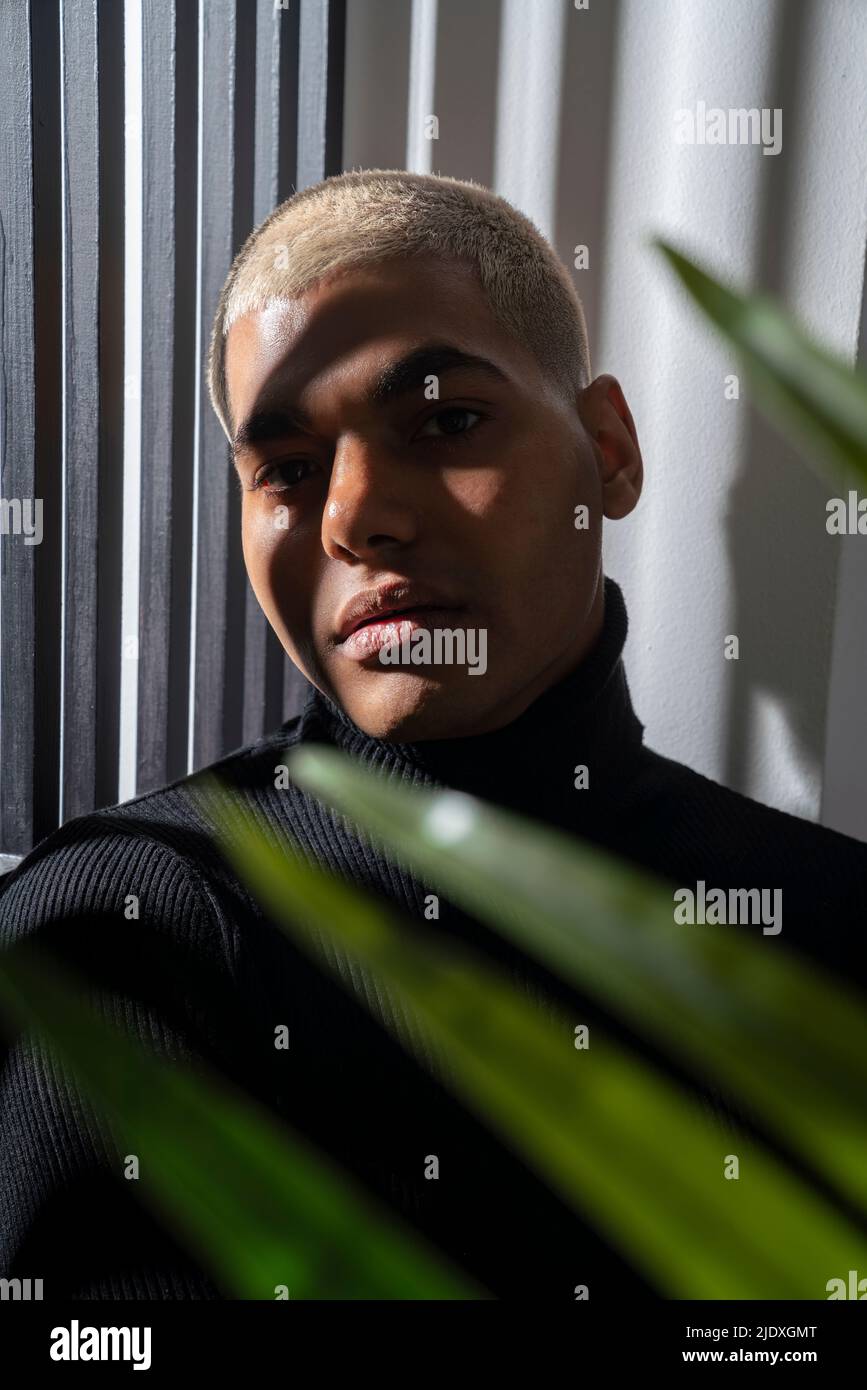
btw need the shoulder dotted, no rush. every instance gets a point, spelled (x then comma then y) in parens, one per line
(131, 904)
(696, 812)
(688, 827)
(150, 860)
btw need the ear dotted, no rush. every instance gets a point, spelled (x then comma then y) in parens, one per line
(608, 420)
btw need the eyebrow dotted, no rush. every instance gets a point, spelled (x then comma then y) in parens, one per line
(397, 379)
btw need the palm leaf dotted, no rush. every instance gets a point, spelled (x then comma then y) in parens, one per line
(257, 1203)
(815, 397)
(622, 1144)
(786, 1041)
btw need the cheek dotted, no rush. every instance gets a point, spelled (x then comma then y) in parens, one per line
(526, 502)
(259, 543)
(479, 494)
(282, 568)
(274, 557)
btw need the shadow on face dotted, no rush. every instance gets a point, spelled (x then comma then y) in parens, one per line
(409, 471)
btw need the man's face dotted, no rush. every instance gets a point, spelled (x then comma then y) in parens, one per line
(440, 494)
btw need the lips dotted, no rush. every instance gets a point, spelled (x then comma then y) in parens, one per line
(371, 638)
(390, 603)
(391, 617)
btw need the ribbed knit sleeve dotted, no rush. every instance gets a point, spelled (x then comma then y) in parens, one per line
(129, 914)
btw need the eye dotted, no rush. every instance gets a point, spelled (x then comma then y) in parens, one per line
(280, 477)
(451, 422)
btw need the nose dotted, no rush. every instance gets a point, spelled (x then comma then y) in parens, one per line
(368, 509)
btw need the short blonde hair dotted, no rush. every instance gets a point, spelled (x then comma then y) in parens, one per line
(357, 218)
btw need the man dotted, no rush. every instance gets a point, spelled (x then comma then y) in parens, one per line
(400, 362)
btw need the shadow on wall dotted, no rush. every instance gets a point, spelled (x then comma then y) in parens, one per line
(587, 114)
(782, 567)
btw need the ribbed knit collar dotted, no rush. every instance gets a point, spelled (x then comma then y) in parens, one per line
(585, 718)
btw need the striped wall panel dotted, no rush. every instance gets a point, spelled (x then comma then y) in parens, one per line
(240, 104)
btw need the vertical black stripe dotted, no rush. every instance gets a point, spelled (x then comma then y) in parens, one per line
(276, 137)
(320, 91)
(30, 419)
(276, 109)
(322, 42)
(227, 213)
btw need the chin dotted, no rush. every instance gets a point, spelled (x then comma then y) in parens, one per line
(409, 708)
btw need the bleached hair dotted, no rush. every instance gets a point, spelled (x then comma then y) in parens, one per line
(368, 215)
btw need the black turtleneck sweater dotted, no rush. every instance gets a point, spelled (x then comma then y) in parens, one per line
(203, 973)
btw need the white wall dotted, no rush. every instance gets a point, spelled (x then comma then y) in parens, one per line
(570, 114)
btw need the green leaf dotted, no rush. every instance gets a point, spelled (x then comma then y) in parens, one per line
(260, 1205)
(620, 1142)
(816, 398)
(786, 1041)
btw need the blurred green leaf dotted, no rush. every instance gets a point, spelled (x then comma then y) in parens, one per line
(785, 1040)
(817, 399)
(260, 1205)
(622, 1144)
